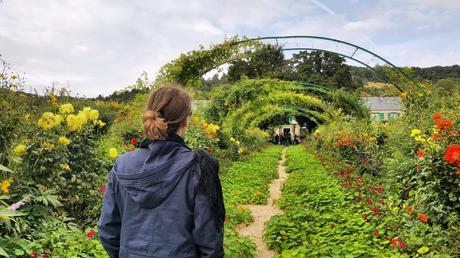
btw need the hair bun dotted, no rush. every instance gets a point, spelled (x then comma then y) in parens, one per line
(149, 114)
(154, 126)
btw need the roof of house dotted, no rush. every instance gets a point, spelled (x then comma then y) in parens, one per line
(383, 103)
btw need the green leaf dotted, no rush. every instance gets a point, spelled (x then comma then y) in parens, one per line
(3, 252)
(423, 250)
(5, 169)
(18, 252)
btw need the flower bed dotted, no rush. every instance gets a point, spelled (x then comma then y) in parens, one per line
(319, 218)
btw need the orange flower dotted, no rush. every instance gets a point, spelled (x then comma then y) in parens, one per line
(458, 172)
(423, 217)
(436, 136)
(437, 116)
(409, 209)
(453, 154)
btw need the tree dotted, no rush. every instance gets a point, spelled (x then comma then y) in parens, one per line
(266, 61)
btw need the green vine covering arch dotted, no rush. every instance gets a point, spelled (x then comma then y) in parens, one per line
(259, 103)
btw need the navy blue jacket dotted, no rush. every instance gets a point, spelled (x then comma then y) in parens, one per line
(153, 206)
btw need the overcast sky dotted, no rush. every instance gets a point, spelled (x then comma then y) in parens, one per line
(100, 46)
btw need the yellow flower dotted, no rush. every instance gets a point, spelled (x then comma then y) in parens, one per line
(6, 185)
(66, 108)
(420, 94)
(98, 123)
(404, 94)
(415, 132)
(237, 142)
(20, 150)
(59, 119)
(86, 110)
(211, 129)
(73, 123)
(64, 140)
(240, 150)
(93, 114)
(113, 153)
(232, 139)
(47, 146)
(47, 121)
(82, 117)
(64, 166)
(419, 138)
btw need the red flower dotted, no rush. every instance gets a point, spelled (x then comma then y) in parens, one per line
(90, 233)
(423, 217)
(380, 190)
(133, 141)
(34, 255)
(376, 233)
(458, 172)
(45, 255)
(364, 217)
(401, 243)
(372, 188)
(420, 153)
(382, 202)
(376, 212)
(369, 201)
(398, 243)
(357, 198)
(443, 124)
(102, 189)
(226, 219)
(453, 154)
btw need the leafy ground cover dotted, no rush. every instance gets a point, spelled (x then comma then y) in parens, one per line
(319, 218)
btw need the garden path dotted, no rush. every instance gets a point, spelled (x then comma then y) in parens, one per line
(262, 213)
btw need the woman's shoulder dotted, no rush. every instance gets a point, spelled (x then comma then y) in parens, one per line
(204, 158)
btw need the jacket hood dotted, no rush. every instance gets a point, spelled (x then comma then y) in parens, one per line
(151, 172)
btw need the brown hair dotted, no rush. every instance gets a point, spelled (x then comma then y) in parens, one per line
(166, 108)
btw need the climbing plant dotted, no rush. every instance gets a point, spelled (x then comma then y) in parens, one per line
(189, 67)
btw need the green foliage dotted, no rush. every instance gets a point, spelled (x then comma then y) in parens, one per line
(266, 61)
(246, 182)
(316, 214)
(189, 67)
(266, 103)
(251, 188)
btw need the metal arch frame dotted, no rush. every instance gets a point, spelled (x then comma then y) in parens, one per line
(345, 56)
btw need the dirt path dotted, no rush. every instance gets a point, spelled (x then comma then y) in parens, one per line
(262, 213)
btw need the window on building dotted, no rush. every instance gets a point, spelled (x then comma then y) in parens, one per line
(393, 115)
(378, 116)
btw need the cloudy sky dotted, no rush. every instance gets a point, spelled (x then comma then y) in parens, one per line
(98, 46)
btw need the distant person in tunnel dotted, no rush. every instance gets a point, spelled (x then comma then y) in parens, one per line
(163, 199)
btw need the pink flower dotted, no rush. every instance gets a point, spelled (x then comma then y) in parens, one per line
(102, 189)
